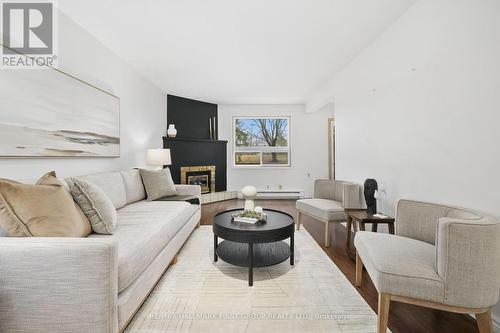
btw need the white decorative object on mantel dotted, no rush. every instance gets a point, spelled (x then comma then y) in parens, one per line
(249, 193)
(171, 131)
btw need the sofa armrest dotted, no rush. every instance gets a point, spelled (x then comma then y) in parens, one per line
(189, 190)
(467, 256)
(58, 285)
(351, 196)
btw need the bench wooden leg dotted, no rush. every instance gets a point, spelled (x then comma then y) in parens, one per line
(359, 271)
(484, 322)
(384, 302)
(327, 234)
(297, 223)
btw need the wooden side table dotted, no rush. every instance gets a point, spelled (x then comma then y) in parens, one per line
(360, 217)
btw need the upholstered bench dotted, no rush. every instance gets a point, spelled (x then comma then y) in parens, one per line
(330, 199)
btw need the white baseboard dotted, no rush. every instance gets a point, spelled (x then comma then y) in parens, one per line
(277, 194)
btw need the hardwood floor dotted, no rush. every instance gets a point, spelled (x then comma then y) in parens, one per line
(403, 318)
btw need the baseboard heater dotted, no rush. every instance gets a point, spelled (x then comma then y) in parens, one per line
(278, 194)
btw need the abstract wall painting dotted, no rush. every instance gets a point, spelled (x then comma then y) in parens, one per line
(47, 113)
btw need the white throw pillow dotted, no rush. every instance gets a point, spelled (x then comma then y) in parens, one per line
(95, 204)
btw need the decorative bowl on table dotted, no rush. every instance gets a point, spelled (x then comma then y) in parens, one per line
(249, 216)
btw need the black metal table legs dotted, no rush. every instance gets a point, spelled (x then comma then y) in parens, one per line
(250, 264)
(255, 254)
(215, 248)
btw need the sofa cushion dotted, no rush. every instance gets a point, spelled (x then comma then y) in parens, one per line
(134, 188)
(158, 183)
(95, 205)
(322, 209)
(144, 228)
(111, 183)
(400, 266)
(44, 209)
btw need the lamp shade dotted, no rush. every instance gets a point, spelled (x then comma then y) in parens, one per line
(159, 157)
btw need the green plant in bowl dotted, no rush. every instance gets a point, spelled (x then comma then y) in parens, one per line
(251, 214)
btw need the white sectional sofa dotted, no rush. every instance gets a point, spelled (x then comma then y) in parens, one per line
(94, 284)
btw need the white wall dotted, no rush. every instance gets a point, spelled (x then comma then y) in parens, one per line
(142, 107)
(419, 110)
(309, 148)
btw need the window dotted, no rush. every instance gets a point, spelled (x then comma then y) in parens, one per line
(261, 141)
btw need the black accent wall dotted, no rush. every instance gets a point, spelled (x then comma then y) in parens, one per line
(193, 145)
(191, 117)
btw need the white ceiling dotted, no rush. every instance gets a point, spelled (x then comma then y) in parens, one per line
(234, 51)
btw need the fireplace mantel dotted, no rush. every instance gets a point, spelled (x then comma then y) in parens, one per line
(165, 138)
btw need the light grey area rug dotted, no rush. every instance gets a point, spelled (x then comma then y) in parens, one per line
(198, 295)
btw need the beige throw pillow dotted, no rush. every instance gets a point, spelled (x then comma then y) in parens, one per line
(95, 204)
(158, 183)
(44, 209)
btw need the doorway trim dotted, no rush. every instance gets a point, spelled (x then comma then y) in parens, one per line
(331, 148)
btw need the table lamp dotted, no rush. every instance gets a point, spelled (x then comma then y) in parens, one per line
(159, 158)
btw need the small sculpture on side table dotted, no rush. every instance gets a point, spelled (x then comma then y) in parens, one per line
(370, 191)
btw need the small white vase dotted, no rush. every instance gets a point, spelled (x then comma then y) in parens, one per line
(171, 131)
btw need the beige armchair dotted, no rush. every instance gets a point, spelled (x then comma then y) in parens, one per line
(442, 257)
(330, 199)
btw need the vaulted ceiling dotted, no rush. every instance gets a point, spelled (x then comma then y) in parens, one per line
(234, 51)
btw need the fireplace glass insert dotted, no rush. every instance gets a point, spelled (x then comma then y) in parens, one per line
(203, 176)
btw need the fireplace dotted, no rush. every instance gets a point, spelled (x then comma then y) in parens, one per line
(203, 176)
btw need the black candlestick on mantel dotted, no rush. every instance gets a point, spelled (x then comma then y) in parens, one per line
(212, 128)
(216, 135)
(371, 202)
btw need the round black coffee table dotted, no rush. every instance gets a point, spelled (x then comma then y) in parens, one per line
(253, 245)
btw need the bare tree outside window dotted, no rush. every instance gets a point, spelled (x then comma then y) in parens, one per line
(261, 141)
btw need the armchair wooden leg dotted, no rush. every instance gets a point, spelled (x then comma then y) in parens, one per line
(484, 322)
(297, 223)
(359, 270)
(384, 302)
(327, 234)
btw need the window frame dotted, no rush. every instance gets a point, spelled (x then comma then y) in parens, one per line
(263, 149)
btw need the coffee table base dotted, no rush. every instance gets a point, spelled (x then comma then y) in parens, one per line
(262, 255)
